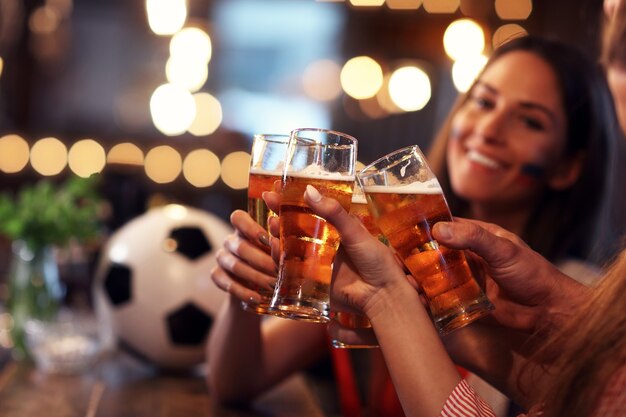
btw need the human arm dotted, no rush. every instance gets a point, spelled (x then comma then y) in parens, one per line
(248, 353)
(373, 282)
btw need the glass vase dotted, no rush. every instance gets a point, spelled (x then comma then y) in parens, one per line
(35, 290)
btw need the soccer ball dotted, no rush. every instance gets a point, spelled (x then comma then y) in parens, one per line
(152, 289)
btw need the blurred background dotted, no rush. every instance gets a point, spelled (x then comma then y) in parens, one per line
(161, 97)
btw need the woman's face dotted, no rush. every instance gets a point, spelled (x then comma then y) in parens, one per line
(508, 137)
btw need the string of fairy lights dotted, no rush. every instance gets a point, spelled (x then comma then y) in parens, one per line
(179, 106)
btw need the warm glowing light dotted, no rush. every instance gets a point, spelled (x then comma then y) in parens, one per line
(166, 17)
(514, 9)
(172, 108)
(191, 42)
(441, 6)
(125, 153)
(409, 88)
(201, 168)
(86, 157)
(235, 168)
(208, 115)
(463, 38)
(43, 20)
(361, 77)
(404, 4)
(163, 164)
(13, 153)
(465, 71)
(48, 156)
(189, 72)
(1, 65)
(507, 32)
(367, 3)
(320, 80)
(384, 98)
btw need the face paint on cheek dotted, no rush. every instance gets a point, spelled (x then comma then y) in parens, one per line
(530, 174)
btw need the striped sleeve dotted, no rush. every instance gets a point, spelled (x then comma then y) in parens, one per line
(464, 402)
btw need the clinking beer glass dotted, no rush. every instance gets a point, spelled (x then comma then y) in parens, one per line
(360, 210)
(266, 167)
(406, 200)
(327, 160)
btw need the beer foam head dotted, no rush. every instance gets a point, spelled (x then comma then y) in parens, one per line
(429, 187)
(278, 172)
(314, 171)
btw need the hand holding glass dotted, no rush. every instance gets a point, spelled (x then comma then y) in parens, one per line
(406, 201)
(327, 160)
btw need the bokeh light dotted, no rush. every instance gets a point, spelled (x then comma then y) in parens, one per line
(409, 88)
(507, 32)
(86, 157)
(384, 98)
(441, 6)
(465, 71)
(44, 20)
(125, 153)
(463, 38)
(235, 167)
(1, 66)
(208, 115)
(201, 168)
(191, 43)
(13, 153)
(188, 72)
(172, 109)
(514, 9)
(404, 4)
(48, 156)
(163, 164)
(166, 17)
(320, 80)
(361, 77)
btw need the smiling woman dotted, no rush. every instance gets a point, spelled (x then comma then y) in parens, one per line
(534, 154)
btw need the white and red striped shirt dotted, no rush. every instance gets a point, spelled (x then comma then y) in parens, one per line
(464, 402)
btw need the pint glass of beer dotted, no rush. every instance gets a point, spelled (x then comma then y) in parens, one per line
(266, 167)
(406, 201)
(326, 160)
(360, 210)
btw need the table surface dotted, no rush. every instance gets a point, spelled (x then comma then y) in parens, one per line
(121, 386)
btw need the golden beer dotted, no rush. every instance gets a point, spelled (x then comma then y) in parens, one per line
(259, 182)
(406, 217)
(266, 163)
(359, 209)
(308, 248)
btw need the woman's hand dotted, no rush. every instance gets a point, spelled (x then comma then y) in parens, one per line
(529, 293)
(244, 261)
(364, 265)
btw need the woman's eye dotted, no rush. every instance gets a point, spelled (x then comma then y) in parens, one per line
(482, 102)
(533, 123)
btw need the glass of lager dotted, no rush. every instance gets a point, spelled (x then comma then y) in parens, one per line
(326, 160)
(406, 200)
(359, 209)
(266, 167)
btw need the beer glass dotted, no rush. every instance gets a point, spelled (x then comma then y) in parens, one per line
(266, 167)
(326, 160)
(406, 200)
(359, 209)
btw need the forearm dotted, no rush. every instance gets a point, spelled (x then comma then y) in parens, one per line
(234, 349)
(422, 372)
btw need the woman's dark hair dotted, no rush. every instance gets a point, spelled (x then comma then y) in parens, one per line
(565, 222)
